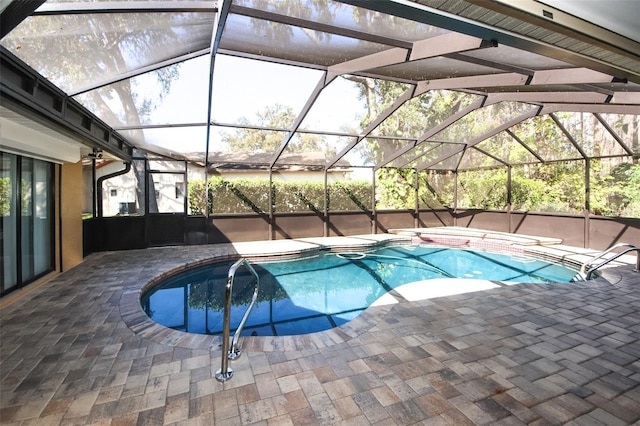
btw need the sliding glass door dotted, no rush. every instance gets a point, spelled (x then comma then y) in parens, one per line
(9, 225)
(27, 227)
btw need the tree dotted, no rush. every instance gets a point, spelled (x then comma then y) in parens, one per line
(94, 48)
(254, 140)
(5, 196)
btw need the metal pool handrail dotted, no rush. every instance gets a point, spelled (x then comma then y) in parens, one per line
(225, 373)
(630, 248)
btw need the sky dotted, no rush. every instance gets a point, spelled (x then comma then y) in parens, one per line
(244, 88)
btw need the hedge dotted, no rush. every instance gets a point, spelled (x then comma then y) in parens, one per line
(252, 196)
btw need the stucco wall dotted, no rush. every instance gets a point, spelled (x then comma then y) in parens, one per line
(71, 198)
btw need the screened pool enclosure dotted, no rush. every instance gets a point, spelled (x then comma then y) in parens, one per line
(234, 120)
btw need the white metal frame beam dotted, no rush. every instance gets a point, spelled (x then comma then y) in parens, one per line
(570, 76)
(70, 8)
(461, 83)
(436, 129)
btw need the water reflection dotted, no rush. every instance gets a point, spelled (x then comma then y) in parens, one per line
(194, 301)
(324, 291)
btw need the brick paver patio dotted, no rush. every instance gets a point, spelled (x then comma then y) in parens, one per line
(76, 351)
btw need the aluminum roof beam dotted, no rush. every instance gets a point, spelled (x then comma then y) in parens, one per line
(392, 56)
(571, 139)
(570, 76)
(408, 94)
(476, 81)
(626, 98)
(305, 110)
(140, 71)
(614, 134)
(544, 97)
(436, 129)
(593, 108)
(429, 48)
(531, 113)
(27, 92)
(216, 36)
(450, 16)
(15, 12)
(526, 146)
(445, 44)
(318, 26)
(528, 63)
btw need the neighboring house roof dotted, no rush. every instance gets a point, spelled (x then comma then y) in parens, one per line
(310, 161)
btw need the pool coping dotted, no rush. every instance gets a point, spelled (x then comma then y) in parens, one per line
(139, 323)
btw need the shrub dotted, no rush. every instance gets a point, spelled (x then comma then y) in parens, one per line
(252, 195)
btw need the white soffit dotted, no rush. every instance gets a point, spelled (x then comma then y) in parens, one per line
(23, 136)
(620, 16)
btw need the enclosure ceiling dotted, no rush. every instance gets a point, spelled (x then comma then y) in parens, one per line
(428, 84)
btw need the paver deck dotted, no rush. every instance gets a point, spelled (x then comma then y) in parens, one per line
(76, 351)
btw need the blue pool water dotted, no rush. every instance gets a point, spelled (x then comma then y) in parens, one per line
(326, 290)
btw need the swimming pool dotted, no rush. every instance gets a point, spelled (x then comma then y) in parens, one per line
(322, 291)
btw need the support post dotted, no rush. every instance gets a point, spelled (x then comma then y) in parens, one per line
(587, 202)
(416, 215)
(455, 198)
(325, 225)
(509, 199)
(271, 201)
(185, 189)
(94, 194)
(374, 228)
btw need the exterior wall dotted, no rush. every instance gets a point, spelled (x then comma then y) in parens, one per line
(63, 238)
(71, 200)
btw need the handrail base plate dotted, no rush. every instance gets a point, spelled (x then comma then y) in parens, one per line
(223, 377)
